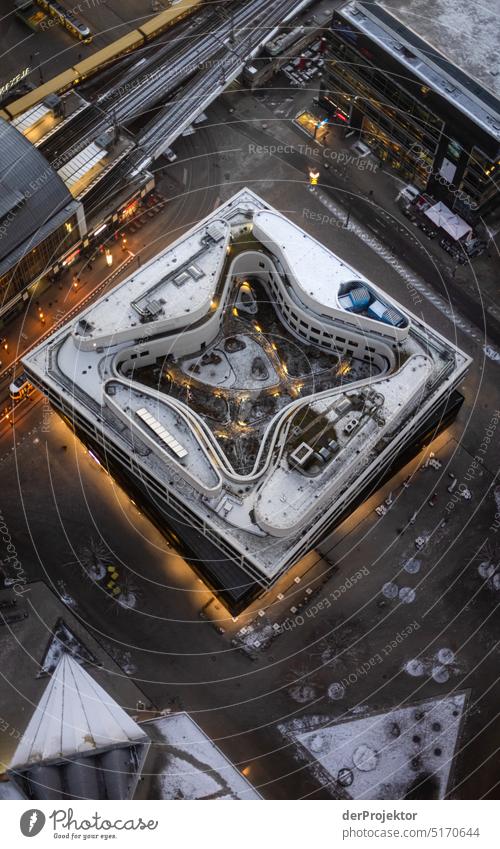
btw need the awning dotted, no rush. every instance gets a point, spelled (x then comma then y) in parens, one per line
(443, 217)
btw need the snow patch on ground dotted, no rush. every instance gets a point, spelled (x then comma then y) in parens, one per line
(387, 753)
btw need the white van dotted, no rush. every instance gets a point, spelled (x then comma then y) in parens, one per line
(408, 194)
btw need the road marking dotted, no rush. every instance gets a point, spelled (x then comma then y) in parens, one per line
(410, 277)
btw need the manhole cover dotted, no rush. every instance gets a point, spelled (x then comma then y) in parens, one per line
(345, 777)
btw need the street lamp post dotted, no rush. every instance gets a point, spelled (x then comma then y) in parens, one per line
(313, 176)
(318, 125)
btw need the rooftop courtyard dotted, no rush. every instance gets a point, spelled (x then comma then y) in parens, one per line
(251, 384)
(253, 369)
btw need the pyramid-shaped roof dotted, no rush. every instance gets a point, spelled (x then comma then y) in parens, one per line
(74, 716)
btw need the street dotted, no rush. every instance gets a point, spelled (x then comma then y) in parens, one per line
(59, 504)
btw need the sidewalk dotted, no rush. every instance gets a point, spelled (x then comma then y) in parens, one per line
(477, 283)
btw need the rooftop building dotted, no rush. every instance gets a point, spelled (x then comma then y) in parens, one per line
(423, 91)
(249, 386)
(39, 218)
(81, 744)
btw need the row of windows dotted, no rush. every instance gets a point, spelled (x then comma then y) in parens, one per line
(38, 260)
(161, 490)
(397, 123)
(386, 85)
(297, 323)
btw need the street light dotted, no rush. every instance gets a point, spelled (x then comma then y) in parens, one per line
(319, 124)
(313, 176)
(109, 257)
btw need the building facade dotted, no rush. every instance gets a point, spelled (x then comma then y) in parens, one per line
(419, 112)
(40, 221)
(247, 400)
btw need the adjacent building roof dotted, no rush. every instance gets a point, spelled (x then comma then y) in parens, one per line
(183, 763)
(411, 39)
(31, 193)
(79, 744)
(30, 651)
(74, 716)
(407, 752)
(465, 33)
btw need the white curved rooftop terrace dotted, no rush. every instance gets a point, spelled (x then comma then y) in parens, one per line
(318, 274)
(181, 279)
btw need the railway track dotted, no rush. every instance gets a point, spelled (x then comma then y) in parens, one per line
(149, 83)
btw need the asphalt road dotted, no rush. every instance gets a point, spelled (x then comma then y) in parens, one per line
(57, 504)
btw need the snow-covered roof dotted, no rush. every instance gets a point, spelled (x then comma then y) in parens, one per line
(318, 272)
(410, 38)
(383, 755)
(183, 763)
(320, 275)
(465, 33)
(178, 283)
(74, 716)
(244, 507)
(441, 215)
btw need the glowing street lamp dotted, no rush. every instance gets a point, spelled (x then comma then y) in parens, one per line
(109, 257)
(313, 176)
(318, 125)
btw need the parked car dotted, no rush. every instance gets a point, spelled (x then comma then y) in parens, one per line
(427, 229)
(409, 212)
(408, 193)
(475, 247)
(361, 149)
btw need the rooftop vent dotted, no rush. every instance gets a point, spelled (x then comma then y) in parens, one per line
(151, 310)
(216, 231)
(84, 327)
(301, 454)
(181, 279)
(195, 271)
